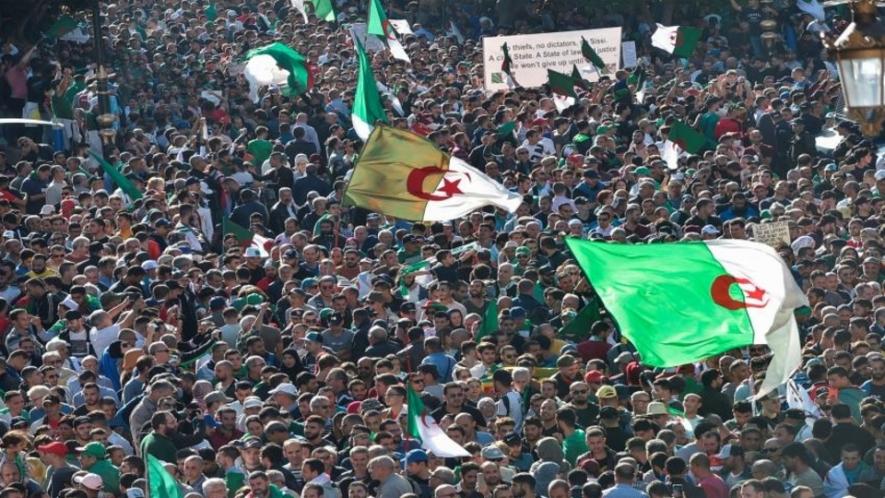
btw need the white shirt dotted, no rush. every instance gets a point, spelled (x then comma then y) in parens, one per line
(102, 338)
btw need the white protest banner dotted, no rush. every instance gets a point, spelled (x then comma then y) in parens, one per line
(772, 234)
(628, 52)
(533, 55)
(359, 31)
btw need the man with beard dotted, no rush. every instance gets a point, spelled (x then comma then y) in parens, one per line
(284, 209)
(453, 394)
(259, 485)
(350, 267)
(158, 442)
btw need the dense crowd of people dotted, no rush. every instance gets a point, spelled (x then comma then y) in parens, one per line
(133, 323)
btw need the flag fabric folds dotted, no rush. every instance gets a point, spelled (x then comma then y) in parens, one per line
(367, 108)
(118, 178)
(380, 26)
(686, 137)
(683, 302)
(245, 237)
(563, 88)
(404, 175)
(507, 67)
(277, 64)
(299, 6)
(161, 484)
(677, 40)
(812, 8)
(324, 10)
(591, 55)
(579, 328)
(65, 24)
(423, 427)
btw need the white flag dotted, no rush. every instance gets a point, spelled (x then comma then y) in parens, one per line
(454, 31)
(671, 154)
(299, 6)
(812, 8)
(396, 49)
(563, 102)
(798, 398)
(664, 38)
(401, 26)
(262, 70)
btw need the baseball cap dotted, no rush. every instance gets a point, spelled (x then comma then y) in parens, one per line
(415, 456)
(89, 480)
(54, 448)
(594, 377)
(709, 230)
(252, 442)
(252, 402)
(656, 408)
(492, 452)
(606, 392)
(252, 252)
(216, 397)
(285, 388)
(93, 449)
(314, 337)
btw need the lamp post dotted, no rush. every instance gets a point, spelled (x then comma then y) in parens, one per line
(105, 118)
(860, 56)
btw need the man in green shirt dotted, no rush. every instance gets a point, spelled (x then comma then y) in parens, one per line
(260, 148)
(574, 442)
(94, 458)
(158, 443)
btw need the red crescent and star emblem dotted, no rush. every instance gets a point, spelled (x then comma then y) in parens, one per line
(754, 296)
(449, 188)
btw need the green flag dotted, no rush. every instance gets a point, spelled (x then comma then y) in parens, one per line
(580, 82)
(687, 38)
(506, 129)
(579, 328)
(426, 431)
(64, 25)
(686, 137)
(378, 24)
(324, 10)
(161, 484)
(562, 84)
(507, 63)
(367, 107)
(124, 183)
(243, 235)
(591, 55)
(300, 77)
(489, 321)
(683, 302)
(637, 78)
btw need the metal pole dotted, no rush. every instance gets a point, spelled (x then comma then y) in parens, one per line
(104, 119)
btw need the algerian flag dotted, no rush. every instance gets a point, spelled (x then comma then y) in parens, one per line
(404, 175)
(299, 6)
(367, 108)
(454, 31)
(677, 40)
(380, 26)
(246, 238)
(401, 26)
(580, 82)
(812, 8)
(563, 88)
(424, 428)
(637, 79)
(798, 398)
(324, 10)
(507, 67)
(686, 137)
(591, 55)
(683, 302)
(160, 481)
(277, 64)
(579, 328)
(61, 26)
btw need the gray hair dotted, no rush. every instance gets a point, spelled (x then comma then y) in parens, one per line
(214, 482)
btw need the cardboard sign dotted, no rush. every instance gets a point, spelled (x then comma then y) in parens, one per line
(772, 234)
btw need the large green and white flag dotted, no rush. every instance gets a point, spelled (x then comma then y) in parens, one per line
(424, 428)
(683, 302)
(277, 64)
(367, 108)
(677, 40)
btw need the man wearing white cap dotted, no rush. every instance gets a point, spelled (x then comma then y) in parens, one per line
(90, 483)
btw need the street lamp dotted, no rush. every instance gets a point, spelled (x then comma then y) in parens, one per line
(105, 118)
(860, 55)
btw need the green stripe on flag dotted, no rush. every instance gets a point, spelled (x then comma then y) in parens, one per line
(64, 25)
(562, 84)
(579, 328)
(687, 38)
(686, 137)
(661, 296)
(161, 484)
(591, 55)
(416, 409)
(324, 10)
(489, 321)
(124, 183)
